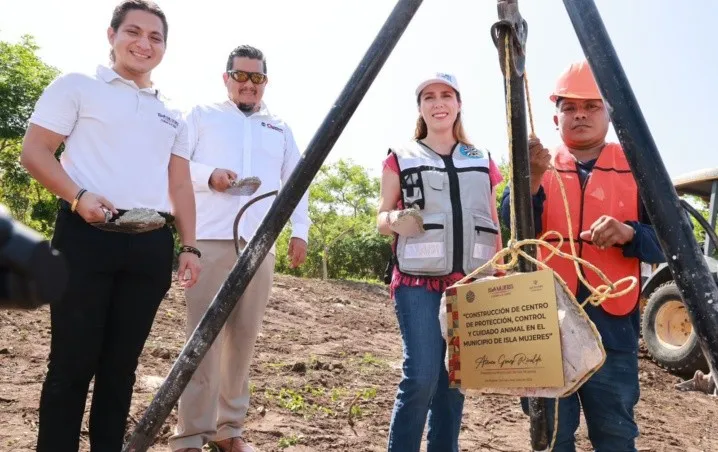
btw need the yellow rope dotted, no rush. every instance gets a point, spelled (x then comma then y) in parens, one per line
(528, 103)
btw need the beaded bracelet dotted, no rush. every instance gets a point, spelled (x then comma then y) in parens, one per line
(190, 249)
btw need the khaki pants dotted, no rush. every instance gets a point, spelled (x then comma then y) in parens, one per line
(214, 404)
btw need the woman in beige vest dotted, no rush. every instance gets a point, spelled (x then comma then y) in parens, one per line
(438, 201)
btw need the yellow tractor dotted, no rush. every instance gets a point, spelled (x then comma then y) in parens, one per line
(665, 325)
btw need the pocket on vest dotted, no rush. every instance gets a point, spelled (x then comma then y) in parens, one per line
(436, 180)
(483, 246)
(425, 254)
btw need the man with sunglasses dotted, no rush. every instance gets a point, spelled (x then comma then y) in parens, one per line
(229, 142)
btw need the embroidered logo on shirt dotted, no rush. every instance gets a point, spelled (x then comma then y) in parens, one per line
(272, 126)
(167, 120)
(471, 152)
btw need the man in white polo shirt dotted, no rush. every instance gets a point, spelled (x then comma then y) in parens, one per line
(124, 149)
(232, 140)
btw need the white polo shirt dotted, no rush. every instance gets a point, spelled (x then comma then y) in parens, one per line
(260, 145)
(119, 137)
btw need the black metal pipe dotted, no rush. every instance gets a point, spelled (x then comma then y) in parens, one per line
(515, 27)
(538, 420)
(674, 232)
(272, 224)
(525, 229)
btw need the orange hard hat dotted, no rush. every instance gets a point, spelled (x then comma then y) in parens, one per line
(576, 82)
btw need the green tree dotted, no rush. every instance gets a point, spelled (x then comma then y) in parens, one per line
(698, 231)
(344, 197)
(343, 241)
(23, 77)
(504, 169)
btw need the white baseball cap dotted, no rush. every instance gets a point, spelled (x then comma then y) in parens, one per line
(438, 77)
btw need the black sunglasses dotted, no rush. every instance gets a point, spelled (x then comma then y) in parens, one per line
(242, 76)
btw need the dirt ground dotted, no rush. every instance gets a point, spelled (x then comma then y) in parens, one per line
(324, 377)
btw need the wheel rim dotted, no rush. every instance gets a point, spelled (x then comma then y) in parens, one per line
(673, 326)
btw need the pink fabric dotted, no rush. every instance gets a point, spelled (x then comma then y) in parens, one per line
(494, 174)
(392, 163)
(433, 283)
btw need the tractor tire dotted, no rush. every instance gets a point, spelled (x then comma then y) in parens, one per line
(668, 333)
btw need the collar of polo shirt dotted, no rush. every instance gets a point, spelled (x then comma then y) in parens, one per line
(263, 110)
(109, 75)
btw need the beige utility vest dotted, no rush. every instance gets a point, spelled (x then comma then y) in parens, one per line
(453, 195)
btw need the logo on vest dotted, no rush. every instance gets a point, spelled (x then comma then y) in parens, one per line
(471, 152)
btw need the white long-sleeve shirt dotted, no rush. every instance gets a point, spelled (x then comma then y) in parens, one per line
(260, 145)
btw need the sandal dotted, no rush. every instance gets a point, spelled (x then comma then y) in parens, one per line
(235, 444)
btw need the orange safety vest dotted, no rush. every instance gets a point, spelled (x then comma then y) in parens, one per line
(609, 189)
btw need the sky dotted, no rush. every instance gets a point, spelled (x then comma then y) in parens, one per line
(313, 46)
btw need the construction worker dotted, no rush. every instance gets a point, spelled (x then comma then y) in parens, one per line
(613, 232)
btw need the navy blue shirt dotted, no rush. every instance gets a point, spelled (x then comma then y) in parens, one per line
(618, 333)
